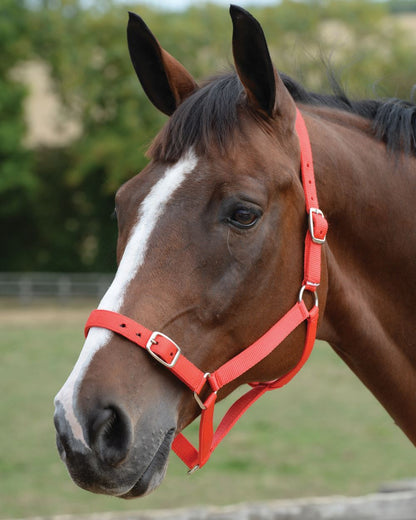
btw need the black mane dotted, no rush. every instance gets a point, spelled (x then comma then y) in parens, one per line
(211, 115)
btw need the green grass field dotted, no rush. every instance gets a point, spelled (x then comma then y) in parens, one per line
(323, 434)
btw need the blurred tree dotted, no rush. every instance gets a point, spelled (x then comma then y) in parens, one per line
(61, 207)
(402, 6)
(17, 180)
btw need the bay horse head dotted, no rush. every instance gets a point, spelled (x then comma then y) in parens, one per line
(211, 252)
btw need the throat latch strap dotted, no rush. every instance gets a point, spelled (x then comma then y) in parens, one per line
(168, 353)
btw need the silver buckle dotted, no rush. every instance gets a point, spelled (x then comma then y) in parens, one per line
(153, 341)
(315, 239)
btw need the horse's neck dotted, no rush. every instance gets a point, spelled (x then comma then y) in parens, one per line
(368, 196)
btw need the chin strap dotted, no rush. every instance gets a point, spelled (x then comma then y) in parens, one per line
(169, 354)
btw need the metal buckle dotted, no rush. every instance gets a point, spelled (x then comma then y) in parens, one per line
(315, 239)
(302, 290)
(152, 341)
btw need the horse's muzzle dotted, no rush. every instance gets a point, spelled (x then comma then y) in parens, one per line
(112, 461)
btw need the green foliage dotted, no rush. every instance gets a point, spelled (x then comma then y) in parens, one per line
(59, 201)
(17, 180)
(402, 6)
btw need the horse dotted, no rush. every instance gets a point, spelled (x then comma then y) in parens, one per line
(213, 246)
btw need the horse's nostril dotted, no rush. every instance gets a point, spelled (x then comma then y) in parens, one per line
(60, 446)
(110, 435)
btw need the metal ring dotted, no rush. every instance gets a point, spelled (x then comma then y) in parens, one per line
(302, 290)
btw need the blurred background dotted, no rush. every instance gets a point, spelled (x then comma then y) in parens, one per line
(74, 125)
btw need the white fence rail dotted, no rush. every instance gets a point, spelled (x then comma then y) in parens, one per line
(28, 287)
(389, 506)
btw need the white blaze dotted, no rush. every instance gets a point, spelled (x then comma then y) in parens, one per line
(133, 258)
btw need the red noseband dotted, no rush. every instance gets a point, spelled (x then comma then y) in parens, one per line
(166, 352)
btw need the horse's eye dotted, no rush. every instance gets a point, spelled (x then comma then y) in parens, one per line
(244, 218)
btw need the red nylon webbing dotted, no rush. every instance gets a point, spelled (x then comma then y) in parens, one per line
(312, 260)
(167, 353)
(190, 455)
(306, 161)
(261, 348)
(186, 371)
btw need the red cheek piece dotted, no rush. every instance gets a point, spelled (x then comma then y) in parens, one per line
(167, 353)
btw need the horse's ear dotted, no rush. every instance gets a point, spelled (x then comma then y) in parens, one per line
(264, 87)
(165, 81)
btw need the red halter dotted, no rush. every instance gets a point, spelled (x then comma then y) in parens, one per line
(166, 352)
